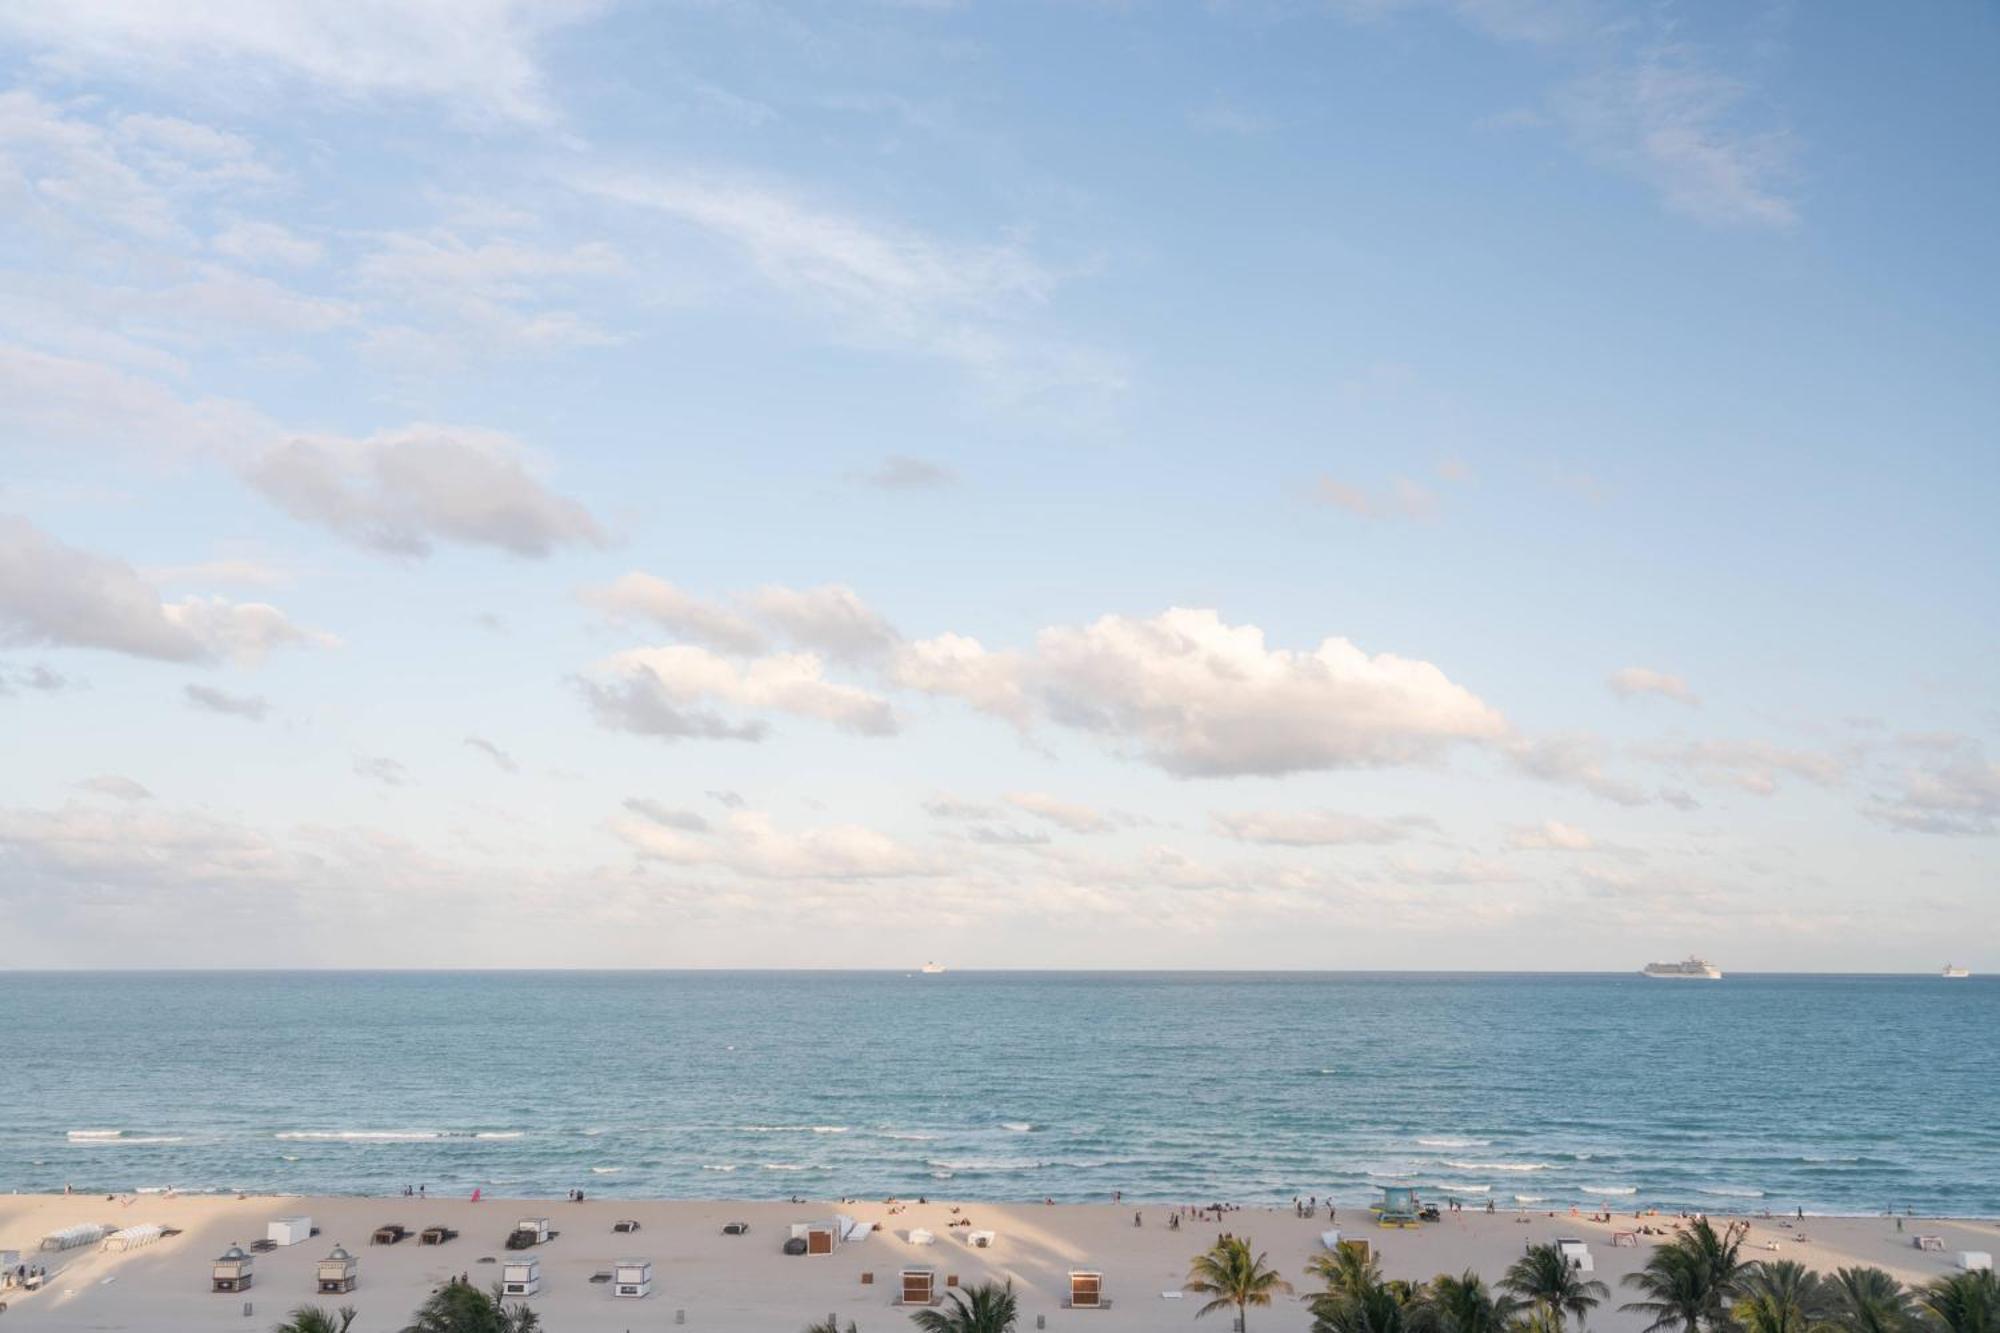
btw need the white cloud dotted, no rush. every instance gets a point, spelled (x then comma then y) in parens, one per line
(56, 594)
(959, 666)
(379, 768)
(1064, 814)
(501, 759)
(832, 619)
(1575, 760)
(1403, 499)
(50, 399)
(750, 844)
(1551, 836)
(476, 57)
(1954, 789)
(650, 687)
(1199, 697)
(402, 490)
(900, 472)
(443, 293)
(1317, 828)
(249, 707)
(639, 595)
(117, 787)
(1631, 681)
(259, 243)
(1752, 766)
(687, 821)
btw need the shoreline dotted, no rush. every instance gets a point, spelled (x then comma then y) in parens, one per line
(737, 1284)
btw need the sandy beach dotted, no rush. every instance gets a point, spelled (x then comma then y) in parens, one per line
(743, 1283)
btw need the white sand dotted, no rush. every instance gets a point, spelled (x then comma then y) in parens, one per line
(745, 1283)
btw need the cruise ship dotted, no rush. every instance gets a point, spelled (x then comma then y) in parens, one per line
(1953, 972)
(1691, 968)
(932, 969)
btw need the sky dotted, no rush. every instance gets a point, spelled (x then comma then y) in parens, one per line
(1393, 484)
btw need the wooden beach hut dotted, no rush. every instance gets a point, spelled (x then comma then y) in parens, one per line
(820, 1237)
(337, 1272)
(521, 1277)
(632, 1278)
(1086, 1290)
(919, 1287)
(231, 1272)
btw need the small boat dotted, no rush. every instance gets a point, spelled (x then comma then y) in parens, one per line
(932, 969)
(1953, 972)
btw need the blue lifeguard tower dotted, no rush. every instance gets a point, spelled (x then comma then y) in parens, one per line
(1399, 1206)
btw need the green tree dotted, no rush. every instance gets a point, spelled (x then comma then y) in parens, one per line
(830, 1325)
(1692, 1280)
(1545, 1278)
(1380, 1307)
(459, 1307)
(986, 1308)
(1782, 1297)
(1229, 1275)
(1868, 1300)
(1464, 1304)
(317, 1319)
(1964, 1302)
(1345, 1269)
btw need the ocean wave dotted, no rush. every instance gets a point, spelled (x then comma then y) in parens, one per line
(987, 1164)
(1461, 1189)
(93, 1138)
(605, 1170)
(1531, 1198)
(1455, 1143)
(1729, 1192)
(716, 1166)
(829, 1129)
(498, 1134)
(908, 1136)
(1837, 1158)
(359, 1135)
(1498, 1166)
(940, 1175)
(1016, 1126)
(1614, 1191)
(788, 1166)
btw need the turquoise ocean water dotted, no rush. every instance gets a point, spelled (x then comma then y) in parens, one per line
(1835, 1094)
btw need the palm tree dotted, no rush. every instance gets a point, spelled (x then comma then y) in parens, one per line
(1965, 1302)
(831, 1325)
(318, 1319)
(1692, 1279)
(986, 1308)
(1377, 1308)
(459, 1307)
(1545, 1278)
(1464, 1304)
(1868, 1300)
(1783, 1297)
(1346, 1269)
(1229, 1275)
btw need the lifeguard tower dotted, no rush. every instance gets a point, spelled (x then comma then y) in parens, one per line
(1399, 1207)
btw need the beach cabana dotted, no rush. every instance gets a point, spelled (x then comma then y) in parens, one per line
(1086, 1290)
(70, 1238)
(632, 1278)
(231, 1272)
(436, 1235)
(1577, 1253)
(337, 1272)
(1329, 1239)
(288, 1230)
(1975, 1261)
(980, 1240)
(919, 1287)
(393, 1234)
(919, 1236)
(521, 1277)
(820, 1237)
(1399, 1206)
(131, 1238)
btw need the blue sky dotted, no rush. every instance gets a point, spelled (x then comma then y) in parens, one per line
(1395, 484)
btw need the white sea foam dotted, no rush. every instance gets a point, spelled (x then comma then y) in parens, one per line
(1729, 1192)
(716, 1166)
(1531, 1198)
(1455, 1143)
(288, 1157)
(908, 1136)
(785, 1166)
(1462, 1189)
(80, 1134)
(987, 1164)
(498, 1134)
(940, 1175)
(1498, 1166)
(1016, 1126)
(360, 1135)
(1615, 1191)
(829, 1129)
(94, 1138)
(605, 1170)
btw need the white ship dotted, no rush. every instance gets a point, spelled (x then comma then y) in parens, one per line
(1953, 972)
(932, 969)
(1690, 969)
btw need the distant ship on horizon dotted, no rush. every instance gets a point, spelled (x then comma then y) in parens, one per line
(1953, 972)
(1689, 969)
(932, 969)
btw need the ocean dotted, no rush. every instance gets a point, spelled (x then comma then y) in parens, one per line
(1835, 1094)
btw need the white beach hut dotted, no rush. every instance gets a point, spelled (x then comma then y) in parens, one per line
(521, 1277)
(288, 1230)
(980, 1240)
(1330, 1239)
(1578, 1254)
(231, 1270)
(1975, 1261)
(632, 1278)
(920, 1236)
(337, 1272)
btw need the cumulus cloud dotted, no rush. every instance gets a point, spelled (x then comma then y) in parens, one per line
(959, 666)
(116, 786)
(1632, 681)
(643, 596)
(39, 678)
(52, 593)
(1752, 766)
(750, 844)
(404, 490)
(662, 691)
(1317, 828)
(1575, 760)
(1953, 789)
(831, 619)
(249, 707)
(900, 472)
(501, 759)
(1551, 836)
(1064, 814)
